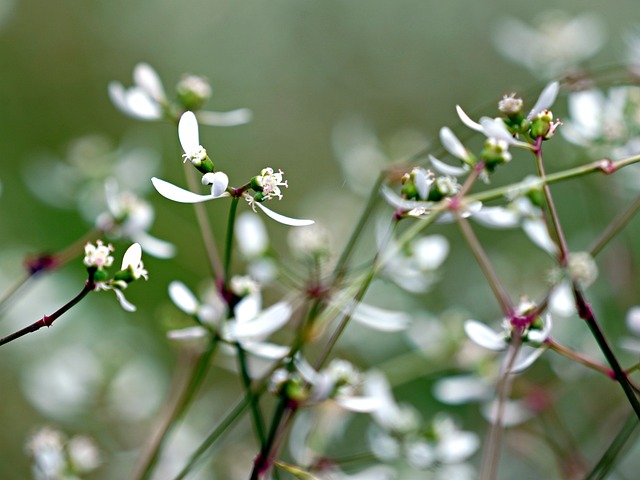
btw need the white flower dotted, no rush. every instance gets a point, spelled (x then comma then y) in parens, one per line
(98, 255)
(218, 181)
(535, 334)
(180, 195)
(132, 262)
(270, 183)
(130, 216)
(553, 45)
(492, 128)
(454, 146)
(147, 100)
(190, 139)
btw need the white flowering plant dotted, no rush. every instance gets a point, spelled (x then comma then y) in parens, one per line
(300, 337)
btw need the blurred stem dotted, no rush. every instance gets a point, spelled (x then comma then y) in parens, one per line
(563, 254)
(47, 320)
(226, 422)
(205, 227)
(229, 240)
(586, 313)
(604, 166)
(341, 266)
(616, 225)
(491, 454)
(608, 460)
(258, 421)
(578, 357)
(196, 376)
(281, 417)
(485, 265)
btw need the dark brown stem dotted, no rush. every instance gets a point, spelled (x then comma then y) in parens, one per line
(47, 320)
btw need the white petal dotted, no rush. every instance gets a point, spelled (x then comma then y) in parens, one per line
(381, 319)
(457, 447)
(292, 222)
(146, 77)
(484, 336)
(514, 412)
(117, 94)
(447, 169)
(495, 128)
(467, 120)
(561, 301)
(396, 201)
(359, 404)
(132, 256)
(430, 251)
(452, 144)
(633, 320)
(537, 231)
(183, 298)
(251, 235)
(270, 320)
(497, 217)
(305, 369)
(177, 194)
(539, 336)
(188, 333)
(248, 308)
(423, 183)
(525, 358)
(225, 119)
(188, 132)
(124, 303)
(461, 389)
(545, 100)
(219, 182)
(270, 351)
(141, 105)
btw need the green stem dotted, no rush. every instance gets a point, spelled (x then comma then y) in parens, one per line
(341, 265)
(608, 459)
(196, 377)
(616, 225)
(229, 240)
(258, 421)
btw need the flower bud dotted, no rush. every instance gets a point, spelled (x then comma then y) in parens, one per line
(495, 152)
(543, 125)
(193, 91)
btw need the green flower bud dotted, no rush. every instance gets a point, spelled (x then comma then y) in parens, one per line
(193, 92)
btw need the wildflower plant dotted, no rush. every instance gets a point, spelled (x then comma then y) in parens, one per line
(292, 329)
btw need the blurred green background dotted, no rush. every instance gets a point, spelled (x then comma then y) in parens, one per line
(301, 66)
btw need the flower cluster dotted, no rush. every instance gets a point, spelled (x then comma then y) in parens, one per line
(98, 259)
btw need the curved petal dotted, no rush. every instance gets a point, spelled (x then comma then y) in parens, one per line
(452, 144)
(484, 336)
(132, 256)
(537, 231)
(124, 303)
(269, 351)
(188, 132)
(447, 169)
(359, 404)
(525, 358)
(467, 120)
(545, 100)
(264, 324)
(219, 182)
(147, 78)
(177, 194)
(183, 298)
(232, 118)
(141, 105)
(497, 217)
(188, 333)
(381, 319)
(292, 222)
(154, 246)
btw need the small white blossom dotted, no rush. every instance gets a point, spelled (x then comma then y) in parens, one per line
(270, 182)
(98, 255)
(132, 261)
(190, 139)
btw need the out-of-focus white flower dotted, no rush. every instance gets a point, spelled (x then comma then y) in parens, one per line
(535, 333)
(400, 432)
(55, 457)
(554, 45)
(632, 320)
(147, 100)
(131, 217)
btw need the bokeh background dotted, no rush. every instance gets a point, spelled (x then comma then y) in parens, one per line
(303, 67)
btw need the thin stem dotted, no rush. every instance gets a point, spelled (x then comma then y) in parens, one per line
(616, 225)
(586, 313)
(563, 253)
(264, 461)
(486, 266)
(229, 240)
(491, 454)
(47, 320)
(258, 421)
(608, 459)
(578, 357)
(341, 265)
(196, 377)
(205, 227)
